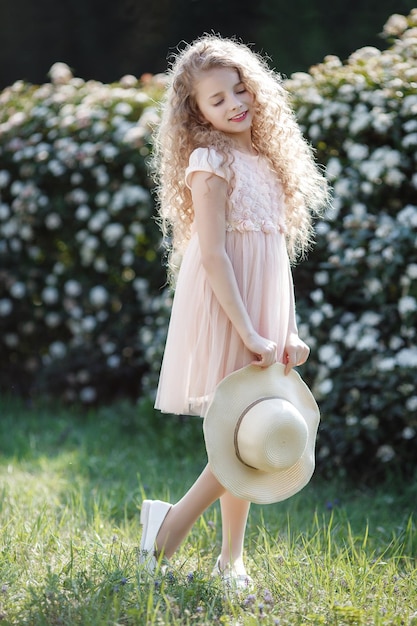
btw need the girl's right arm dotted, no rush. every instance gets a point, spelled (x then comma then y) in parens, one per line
(209, 193)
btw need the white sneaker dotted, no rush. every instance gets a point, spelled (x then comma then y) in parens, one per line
(152, 516)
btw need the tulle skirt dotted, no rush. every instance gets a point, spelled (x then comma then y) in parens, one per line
(202, 345)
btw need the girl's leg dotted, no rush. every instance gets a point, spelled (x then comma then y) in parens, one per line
(234, 518)
(185, 513)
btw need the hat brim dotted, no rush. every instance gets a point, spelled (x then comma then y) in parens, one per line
(232, 396)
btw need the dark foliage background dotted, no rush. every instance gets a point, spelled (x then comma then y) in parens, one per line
(103, 39)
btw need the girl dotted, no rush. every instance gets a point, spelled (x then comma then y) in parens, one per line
(237, 189)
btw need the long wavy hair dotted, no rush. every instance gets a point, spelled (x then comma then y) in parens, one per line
(275, 135)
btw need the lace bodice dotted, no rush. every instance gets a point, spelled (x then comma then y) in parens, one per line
(257, 201)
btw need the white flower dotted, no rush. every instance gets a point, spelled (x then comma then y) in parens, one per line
(407, 304)
(18, 290)
(411, 270)
(88, 323)
(57, 350)
(408, 433)
(88, 395)
(108, 348)
(109, 152)
(317, 295)
(113, 361)
(351, 420)
(134, 135)
(395, 25)
(409, 106)
(52, 319)
(53, 221)
(371, 422)
(360, 119)
(321, 278)
(91, 243)
(385, 453)
(395, 343)
(100, 264)
(329, 356)
(11, 340)
(128, 195)
(123, 108)
(408, 216)
(72, 288)
(50, 295)
(76, 178)
(78, 196)
(4, 178)
(410, 140)
(112, 233)
(343, 188)
(60, 74)
(357, 152)
(407, 357)
(368, 341)
(102, 176)
(4, 211)
(394, 177)
(370, 318)
(98, 296)
(127, 258)
(83, 212)
(325, 387)
(372, 170)
(411, 403)
(128, 170)
(56, 168)
(6, 307)
(381, 121)
(98, 220)
(316, 318)
(102, 198)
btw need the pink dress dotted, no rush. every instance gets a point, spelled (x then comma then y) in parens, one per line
(202, 345)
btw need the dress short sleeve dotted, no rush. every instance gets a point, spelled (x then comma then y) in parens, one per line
(204, 160)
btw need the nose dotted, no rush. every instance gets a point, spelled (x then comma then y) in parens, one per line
(235, 102)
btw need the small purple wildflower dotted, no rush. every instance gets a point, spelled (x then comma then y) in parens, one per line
(249, 600)
(190, 577)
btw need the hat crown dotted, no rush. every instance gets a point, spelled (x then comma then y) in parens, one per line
(271, 434)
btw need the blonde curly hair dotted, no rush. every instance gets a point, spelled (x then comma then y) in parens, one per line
(275, 134)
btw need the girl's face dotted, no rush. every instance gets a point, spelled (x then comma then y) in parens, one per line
(225, 103)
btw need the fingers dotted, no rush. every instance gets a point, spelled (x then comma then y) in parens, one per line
(295, 356)
(268, 356)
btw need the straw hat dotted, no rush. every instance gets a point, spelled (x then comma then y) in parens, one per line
(260, 431)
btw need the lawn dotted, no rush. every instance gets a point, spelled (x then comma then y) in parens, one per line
(71, 489)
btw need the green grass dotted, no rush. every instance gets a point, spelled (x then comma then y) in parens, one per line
(71, 486)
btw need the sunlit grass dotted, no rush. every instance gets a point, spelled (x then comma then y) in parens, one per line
(70, 492)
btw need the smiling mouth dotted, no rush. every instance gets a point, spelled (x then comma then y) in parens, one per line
(240, 117)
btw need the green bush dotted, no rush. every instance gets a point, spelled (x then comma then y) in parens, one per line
(82, 314)
(358, 289)
(80, 273)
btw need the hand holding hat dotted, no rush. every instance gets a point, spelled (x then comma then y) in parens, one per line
(260, 431)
